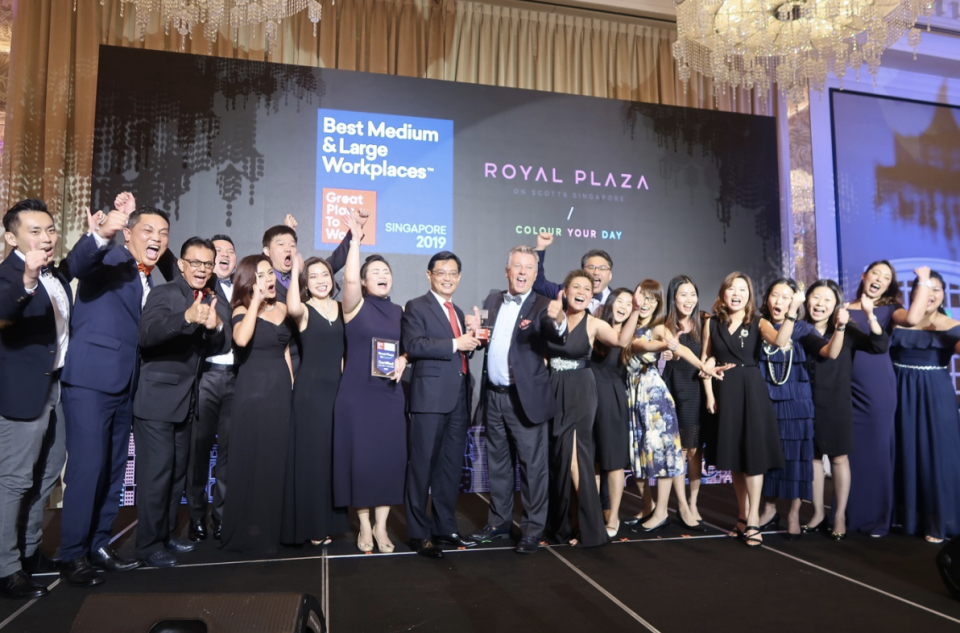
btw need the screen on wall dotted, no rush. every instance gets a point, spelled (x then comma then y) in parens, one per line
(232, 146)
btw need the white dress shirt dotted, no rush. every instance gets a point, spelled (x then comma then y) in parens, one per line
(443, 307)
(595, 307)
(61, 310)
(224, 359)
(499, 371)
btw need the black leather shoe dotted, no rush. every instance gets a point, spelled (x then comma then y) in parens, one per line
(37, 563)
(455, 539)
(216, 529)
(528, 544)
(490, 533)
(198, 530)
(696, 527)
(650, 530)
(772, 524)
(180, 547)
(789, 536)
(632, 522)
(425, 547)
(79, 573)
(20, 585)
(106, 559)
(161, 558)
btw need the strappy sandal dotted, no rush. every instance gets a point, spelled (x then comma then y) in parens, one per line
(752, 536)
(736, 532)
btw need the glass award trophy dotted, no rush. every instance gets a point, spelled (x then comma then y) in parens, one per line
(484, 326)
(384, 357)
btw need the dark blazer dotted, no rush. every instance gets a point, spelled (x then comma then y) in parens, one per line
(171, 351)
(28, 342)
(103, 327)
(427, 339)
(531, 377)
(224, 311)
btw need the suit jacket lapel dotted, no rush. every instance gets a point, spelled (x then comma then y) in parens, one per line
(439, 312)
(525, 311)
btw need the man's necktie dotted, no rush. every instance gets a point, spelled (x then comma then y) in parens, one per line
(456, 331)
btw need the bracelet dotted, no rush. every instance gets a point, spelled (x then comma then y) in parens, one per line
(841, 328)
(792, 319)
(872, 317)
(354, 241)
(927, 283)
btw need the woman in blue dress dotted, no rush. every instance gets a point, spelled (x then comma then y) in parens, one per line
(927, 471)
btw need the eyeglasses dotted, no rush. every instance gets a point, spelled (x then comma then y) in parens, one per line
(601, 269)
(196, 264)
(445, 274)
(648, 299)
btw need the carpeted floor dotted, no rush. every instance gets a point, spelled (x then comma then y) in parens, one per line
(675, 581)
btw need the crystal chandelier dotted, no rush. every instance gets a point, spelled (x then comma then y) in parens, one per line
(184, 15)
(751, 43)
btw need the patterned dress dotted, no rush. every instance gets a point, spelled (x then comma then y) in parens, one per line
(654, 432)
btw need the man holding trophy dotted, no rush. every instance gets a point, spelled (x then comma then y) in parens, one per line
(438, 345)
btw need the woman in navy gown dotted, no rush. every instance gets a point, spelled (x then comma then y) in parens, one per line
(369, 426)
(927, 471)
(874, 386)
(261, 415)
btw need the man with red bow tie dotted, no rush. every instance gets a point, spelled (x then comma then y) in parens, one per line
(99, 378)
(178, 328)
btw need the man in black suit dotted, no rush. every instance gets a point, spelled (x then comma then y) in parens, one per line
(437, 344)
(218, 376)
(34, 335)
(518, 399)
(178, 328)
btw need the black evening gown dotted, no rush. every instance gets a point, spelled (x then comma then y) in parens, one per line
(259, 432)
(684, 383)
(369, 425)
(748, 436)
(575, 390)
(611, 426)
(308, 509)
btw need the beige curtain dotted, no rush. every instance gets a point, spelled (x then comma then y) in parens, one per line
(48, 147)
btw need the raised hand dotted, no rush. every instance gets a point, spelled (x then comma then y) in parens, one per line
(468, 342)
(472, 321)
(94, 220)
(111, 224)
(843, 315)
(125, 203)
(867, 304)
(360, 216)
(213, 319)
(555, 308)
(922, 273)
(195, 313)
(544, 240)
(353, 226)
(256, 296)
(33, 261)
(296, 266)
(799, 297)
(291, 222)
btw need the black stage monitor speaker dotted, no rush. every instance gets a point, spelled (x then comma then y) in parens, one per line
(948, 561)
(200, 613)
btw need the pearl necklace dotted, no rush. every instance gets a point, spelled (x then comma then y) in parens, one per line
(770, 350)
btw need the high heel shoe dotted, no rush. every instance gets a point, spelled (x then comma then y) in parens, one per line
(819, 527)
(650, 530)
(838, 536)
(363, 547)
(383, 548)
(736, 532)
(612, 532)
(632, 522)
(772, 524)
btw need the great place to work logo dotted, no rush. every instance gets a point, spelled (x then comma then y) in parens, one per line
(399, 169)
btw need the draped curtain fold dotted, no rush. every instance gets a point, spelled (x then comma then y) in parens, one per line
(48, 149)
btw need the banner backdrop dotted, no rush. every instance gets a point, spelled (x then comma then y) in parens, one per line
(231, 146)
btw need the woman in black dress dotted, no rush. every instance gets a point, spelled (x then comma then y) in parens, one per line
(748, 438)
(572, 452)
(832, 400)
(308, 509)
(684, 321)
(611, 426)
(261, 410)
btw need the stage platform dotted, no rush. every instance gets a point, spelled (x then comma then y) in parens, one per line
(672, 582)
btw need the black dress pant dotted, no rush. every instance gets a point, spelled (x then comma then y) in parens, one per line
(162, 449)
(212, 426)
(511, 437)
(435, 450)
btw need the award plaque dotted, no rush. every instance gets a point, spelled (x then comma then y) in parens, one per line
(483, 328)
(384, 357)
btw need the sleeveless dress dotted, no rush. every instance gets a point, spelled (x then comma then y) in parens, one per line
(927, 471)
(369, 425)
(683, 382)
(308, 509)
(575, 390)
(788, 384)
(654, 432)
(259, 435)
(611, 426)
(748, 437)
(874, 385)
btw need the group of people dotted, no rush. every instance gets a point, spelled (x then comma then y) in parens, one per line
(302, 394)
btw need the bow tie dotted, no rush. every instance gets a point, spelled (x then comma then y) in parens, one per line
(45, 271)
(146, 270)
(226, 282)
(598, 297)
(509, 298)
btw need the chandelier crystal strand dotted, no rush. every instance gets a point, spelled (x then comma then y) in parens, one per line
(184, 15)
(750, 44)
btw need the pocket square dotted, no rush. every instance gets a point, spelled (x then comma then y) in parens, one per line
(525, 323)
